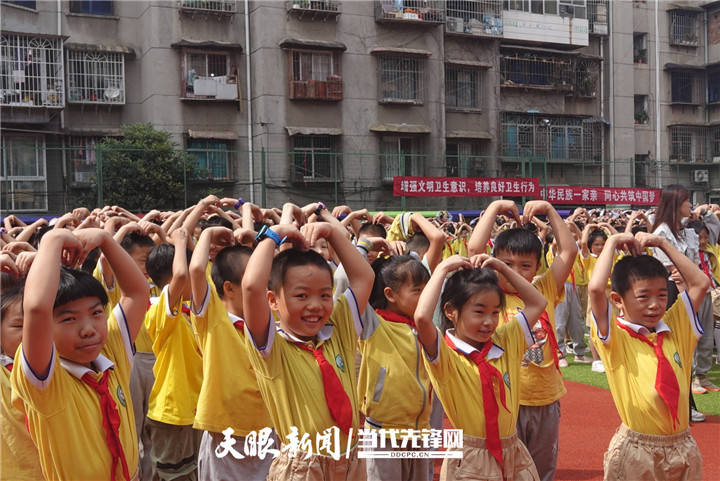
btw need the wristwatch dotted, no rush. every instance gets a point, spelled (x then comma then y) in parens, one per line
(267, 233)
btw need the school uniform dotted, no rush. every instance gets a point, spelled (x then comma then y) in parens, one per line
(19, 458)
(639, 450)
(173, 399)
(65, 413)
(293, 380)
(141, 376)
(456, 380)
(569, 315)
(394, 389)
(540, 383)
(229, 395)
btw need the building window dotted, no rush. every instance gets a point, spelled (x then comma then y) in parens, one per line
(587, 77)
(714, 85)
(81, 158)
(641, 109)
(96, 77)
(689, 144)
(640, 48)
(536, 70)
(209, 75)
(314, 158)
(92, 7)
(685, 87)
(565, 8)
(412, 11)
(22, 174)
(642, 170)
(462, 159)
(597, 11)
(210, 158)
(399, 156)
(401, 79)
(478, 17)
(22, 3)
(31, 72)
(315, 75)
(715, 141)
(684, 28)
(564, 139)
(463, 87)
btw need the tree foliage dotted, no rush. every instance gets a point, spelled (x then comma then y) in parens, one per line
(144, 169)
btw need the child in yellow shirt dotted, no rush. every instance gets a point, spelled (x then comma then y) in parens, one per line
(306, 365)
(647, 351)
(73, 367)
(478, 359)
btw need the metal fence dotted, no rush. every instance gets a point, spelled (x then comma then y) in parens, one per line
(38, 178)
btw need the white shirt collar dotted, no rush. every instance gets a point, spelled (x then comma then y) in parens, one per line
(495, 351)
(5, 359)
(101, 364)
(322, 335)
(640, 329)
(234, 318)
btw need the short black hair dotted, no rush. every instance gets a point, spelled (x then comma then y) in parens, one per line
(229, 265)
(518, 241)
(418, 243)
(369, 229)
(10, 295)
(134, 239)
(294, 258)
(217, 220)
(630, 269)
(160, 263)
(393, 272)
(76, 285)
(90, 262)
(698, 226)
(463, 284)
(595, 235)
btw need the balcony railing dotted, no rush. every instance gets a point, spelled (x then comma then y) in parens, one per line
(480, 17)
(598, 16)
(410, 11)
(331, 89)
(536, 72)
(313, 9)
(210, 6)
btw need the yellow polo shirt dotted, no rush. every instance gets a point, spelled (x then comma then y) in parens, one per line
(457, 381)
(64, 415)
(19, 459)
(178, 365)
(401, 228)
(540, 384)
(229, 396)
(631, 367)
(289, 376)
(393, 384)
(143, 343)
(579, 272)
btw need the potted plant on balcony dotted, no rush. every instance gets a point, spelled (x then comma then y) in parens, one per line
(641, 117)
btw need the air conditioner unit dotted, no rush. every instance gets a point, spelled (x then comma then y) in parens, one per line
(455, 24)
(701, 176)
(716, 159)
(567, 10)
(82, 177)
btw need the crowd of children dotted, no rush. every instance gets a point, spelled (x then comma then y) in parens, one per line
(232, 342)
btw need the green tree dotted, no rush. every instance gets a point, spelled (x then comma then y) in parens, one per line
(143, 170)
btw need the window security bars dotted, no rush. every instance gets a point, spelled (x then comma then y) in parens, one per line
(31, 71)
(81, 158)
(640, 48)
(401, 79)
(693, 144)
(462, 159)
(314, 159)
(686, 87)
(208, 76)
(210, 157)
(714, 85)
(23, 182)
(226, 6)
(399, 157)
(462, 87)
(598, 16)
(315, 75)
(683, 28)
(536, 71)
(96, 77)
(474, 17)
(421, 11)
(316, 5)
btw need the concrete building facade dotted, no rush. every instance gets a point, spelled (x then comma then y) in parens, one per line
(326, 99)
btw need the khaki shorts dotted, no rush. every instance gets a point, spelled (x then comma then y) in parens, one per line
(634, 456)
(478, 464)
(317, 467)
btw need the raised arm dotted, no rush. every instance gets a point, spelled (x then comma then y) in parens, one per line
(483, 229)
(434, 235)
(40, 289)
(200, 258)
(132, 283)
(535, 302)
(180, 272)
(696, 281)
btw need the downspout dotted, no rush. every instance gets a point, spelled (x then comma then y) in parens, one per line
(62, 50)
(707, 61)
(612, 102)
(251, 160)
(658, 158)
(602, 108)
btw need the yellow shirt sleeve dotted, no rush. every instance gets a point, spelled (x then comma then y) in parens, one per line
(401, 228)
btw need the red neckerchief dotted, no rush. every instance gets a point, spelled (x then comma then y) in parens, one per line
(706, 267)
(666, 383)
(547, 327)
(488, 374)
(395, 317)
(9, 367)
(338, 401)
(111, 422)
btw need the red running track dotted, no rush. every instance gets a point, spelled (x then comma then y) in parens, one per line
(588, 422)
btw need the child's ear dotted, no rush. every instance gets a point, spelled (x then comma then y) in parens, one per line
(617, 300)
(451, 312)
(273, 300)
(390, 295)
(228, 288)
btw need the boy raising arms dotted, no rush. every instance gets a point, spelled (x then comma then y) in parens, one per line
(73, 368)
(647, 351)
(541, 385)
(305, 367)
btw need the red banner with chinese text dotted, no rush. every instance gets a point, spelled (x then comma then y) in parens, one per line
(561, 194)
(465, 187)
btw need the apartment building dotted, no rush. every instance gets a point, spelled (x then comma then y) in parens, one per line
(345, 95)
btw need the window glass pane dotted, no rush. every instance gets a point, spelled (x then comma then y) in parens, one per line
(29, 195)
(320, 66)
(23, 158)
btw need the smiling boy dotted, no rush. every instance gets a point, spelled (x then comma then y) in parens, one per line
(647, 351)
